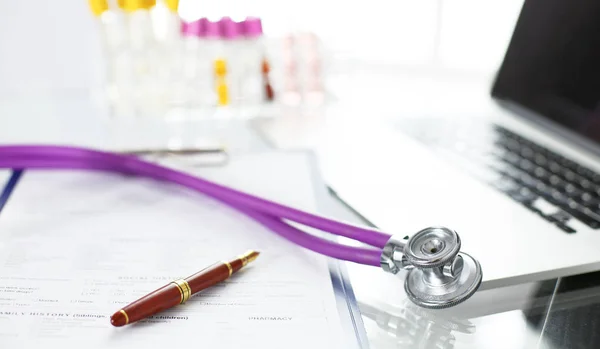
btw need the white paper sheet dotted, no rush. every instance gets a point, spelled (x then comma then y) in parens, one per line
(76, 247)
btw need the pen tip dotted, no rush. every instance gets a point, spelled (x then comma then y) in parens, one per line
(249, 256)
(118, 319)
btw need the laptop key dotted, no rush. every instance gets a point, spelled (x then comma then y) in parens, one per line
(561, 216)
(506, 184)
(587, 197)
(554, 167)
(540, 160)
(527, 152)
(572, 190)
(509, 144)
(526, 165)
(585, 184)
(523, 195)
(570, 175)
(512, 158)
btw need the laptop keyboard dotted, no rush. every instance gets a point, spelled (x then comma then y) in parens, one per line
(556, 188)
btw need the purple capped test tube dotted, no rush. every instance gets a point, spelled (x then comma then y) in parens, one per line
(233, 40)
(253, 27)
(193, 28)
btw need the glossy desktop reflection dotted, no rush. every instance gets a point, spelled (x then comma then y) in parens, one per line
(553, 314)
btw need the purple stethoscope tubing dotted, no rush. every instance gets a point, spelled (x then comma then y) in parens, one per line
(267, 213)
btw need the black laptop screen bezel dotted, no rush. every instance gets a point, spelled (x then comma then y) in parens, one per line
(548, 71)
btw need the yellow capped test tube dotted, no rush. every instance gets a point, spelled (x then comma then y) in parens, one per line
(110, 26)
(140, 27)
(98, 7)
(135, 5)
(220, 70)
(112, 32)
(168, 28)
(172, 5)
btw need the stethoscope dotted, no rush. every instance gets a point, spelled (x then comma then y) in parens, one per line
(438, 274)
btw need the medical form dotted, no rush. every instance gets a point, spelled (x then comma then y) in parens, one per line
(77, 246)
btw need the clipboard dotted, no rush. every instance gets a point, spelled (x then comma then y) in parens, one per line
(346, 299)
(8, 187)
(347, 306)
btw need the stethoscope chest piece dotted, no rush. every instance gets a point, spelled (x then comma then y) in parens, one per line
(432, 288)
(439, 275)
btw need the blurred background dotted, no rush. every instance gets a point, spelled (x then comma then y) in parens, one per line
(66, 67)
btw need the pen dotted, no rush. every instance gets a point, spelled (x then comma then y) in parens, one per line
(179, 291)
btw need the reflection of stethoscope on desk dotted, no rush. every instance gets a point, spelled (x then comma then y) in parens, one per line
(408, 326)
(439, 275)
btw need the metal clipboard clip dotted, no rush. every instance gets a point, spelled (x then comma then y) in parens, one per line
(194, 157)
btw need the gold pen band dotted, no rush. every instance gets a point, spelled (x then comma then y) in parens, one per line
(126, 316)
(184, 288)
(228, 267)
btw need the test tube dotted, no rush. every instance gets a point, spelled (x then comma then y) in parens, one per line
(210, 47)
(167, 33)
(114, 38)
(141, 32)
(109, 27)
(312, 72)
(218, 58)
(233, 50)
(257, 85)
(143, 55)
(172, 23)
(189, 76)
(291, 87)
(100, 10)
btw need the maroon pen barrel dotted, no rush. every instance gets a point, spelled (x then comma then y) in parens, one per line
(213, 274)
(164, 298)
(218, 272)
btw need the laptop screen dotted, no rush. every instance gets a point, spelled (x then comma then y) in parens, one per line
(552, 64)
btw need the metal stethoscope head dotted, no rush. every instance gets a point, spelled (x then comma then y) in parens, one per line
(439, 275)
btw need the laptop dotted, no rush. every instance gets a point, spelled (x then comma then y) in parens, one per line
(522, 188)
